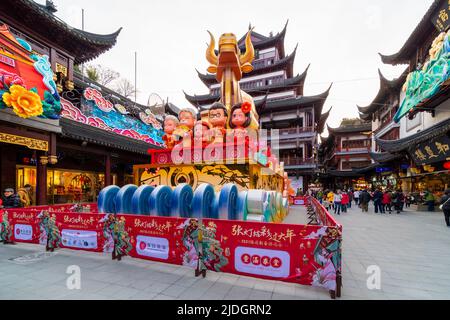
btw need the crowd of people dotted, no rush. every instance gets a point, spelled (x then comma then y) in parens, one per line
(387, 201)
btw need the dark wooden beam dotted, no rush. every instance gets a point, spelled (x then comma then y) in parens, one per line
(19, 131)
(108, 178)
(41, 183)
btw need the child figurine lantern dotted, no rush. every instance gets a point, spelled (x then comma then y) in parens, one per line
(217, 117)
(170, 124)
(240, 119)
(201, 133)
(184, 130)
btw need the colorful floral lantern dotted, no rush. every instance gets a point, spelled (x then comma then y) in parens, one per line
(26, 79)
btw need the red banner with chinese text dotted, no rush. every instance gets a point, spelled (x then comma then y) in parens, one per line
(308, 255)
(304, 254)
(80, 231)
(155, 238)
(24, 224)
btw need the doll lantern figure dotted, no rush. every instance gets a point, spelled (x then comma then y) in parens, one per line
(217, 117)
(240, 119)
(201, 133)
(184, 130)
(170, 124)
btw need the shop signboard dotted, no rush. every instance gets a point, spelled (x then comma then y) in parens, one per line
(441, 18)
(383, 170)
(432, 151)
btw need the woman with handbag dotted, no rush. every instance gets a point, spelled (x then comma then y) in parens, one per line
(445, 206)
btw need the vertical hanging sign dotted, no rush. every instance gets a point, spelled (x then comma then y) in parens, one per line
(441, 18)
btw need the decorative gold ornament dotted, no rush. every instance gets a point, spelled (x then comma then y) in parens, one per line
(44, 160)
(69, 85)
(31, 143)
(229, 65)
(53, 159)
(62, 69)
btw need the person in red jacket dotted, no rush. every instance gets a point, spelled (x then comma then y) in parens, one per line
(345, 201)
(387, 201)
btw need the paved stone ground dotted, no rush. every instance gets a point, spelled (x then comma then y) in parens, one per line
(412, 249)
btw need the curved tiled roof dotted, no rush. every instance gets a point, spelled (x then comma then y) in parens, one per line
(405, 143)
(294, 82)
(382, 157)
(365, 127)
(317, 101)
(38, 19)
(386, 86)
(277, 40)
(323, 119)
(420, 33)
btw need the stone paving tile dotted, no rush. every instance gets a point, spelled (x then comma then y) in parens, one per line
(279, 296)
(110, 290)
(163, 297)
(212, 296)
(192, 294)
(267, 286)
(142, 284)
(142, 295)
(260, 295)
(187, 281)
(238, 293)
(174, 291)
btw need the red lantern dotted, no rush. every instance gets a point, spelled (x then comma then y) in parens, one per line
(447, 165)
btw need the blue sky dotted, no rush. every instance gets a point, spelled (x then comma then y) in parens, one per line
(340, 38)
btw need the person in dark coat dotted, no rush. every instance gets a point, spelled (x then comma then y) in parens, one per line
(398, 200)
(445, 201)
(10, 199)
(378, 201)
(364, 199)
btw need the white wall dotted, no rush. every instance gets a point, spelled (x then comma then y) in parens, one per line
(424, 120)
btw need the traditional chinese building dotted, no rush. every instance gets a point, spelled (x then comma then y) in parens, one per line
(67, 155)
(345, 152)
(413, 144)
(280, 102)
(380, 113)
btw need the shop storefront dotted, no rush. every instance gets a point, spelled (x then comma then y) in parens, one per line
(65, 186)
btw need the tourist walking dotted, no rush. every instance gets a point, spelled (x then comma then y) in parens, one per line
(445, 202)
(398, 200)
(10, 199)
(377, 201)
(350, 198)
(330, 198)
(345, 201)
(387, 201)
(408, 200)
(337, 202)
(319, 196)
(364, 199)
(429, 200)
(356, 197)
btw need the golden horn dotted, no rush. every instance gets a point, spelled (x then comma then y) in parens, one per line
(210, 54)
(249, 54)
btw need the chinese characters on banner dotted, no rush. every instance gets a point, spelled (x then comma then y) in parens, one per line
(441, 18)
(308, 255)
(80, 231)
(436, 150)
(155, 238)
